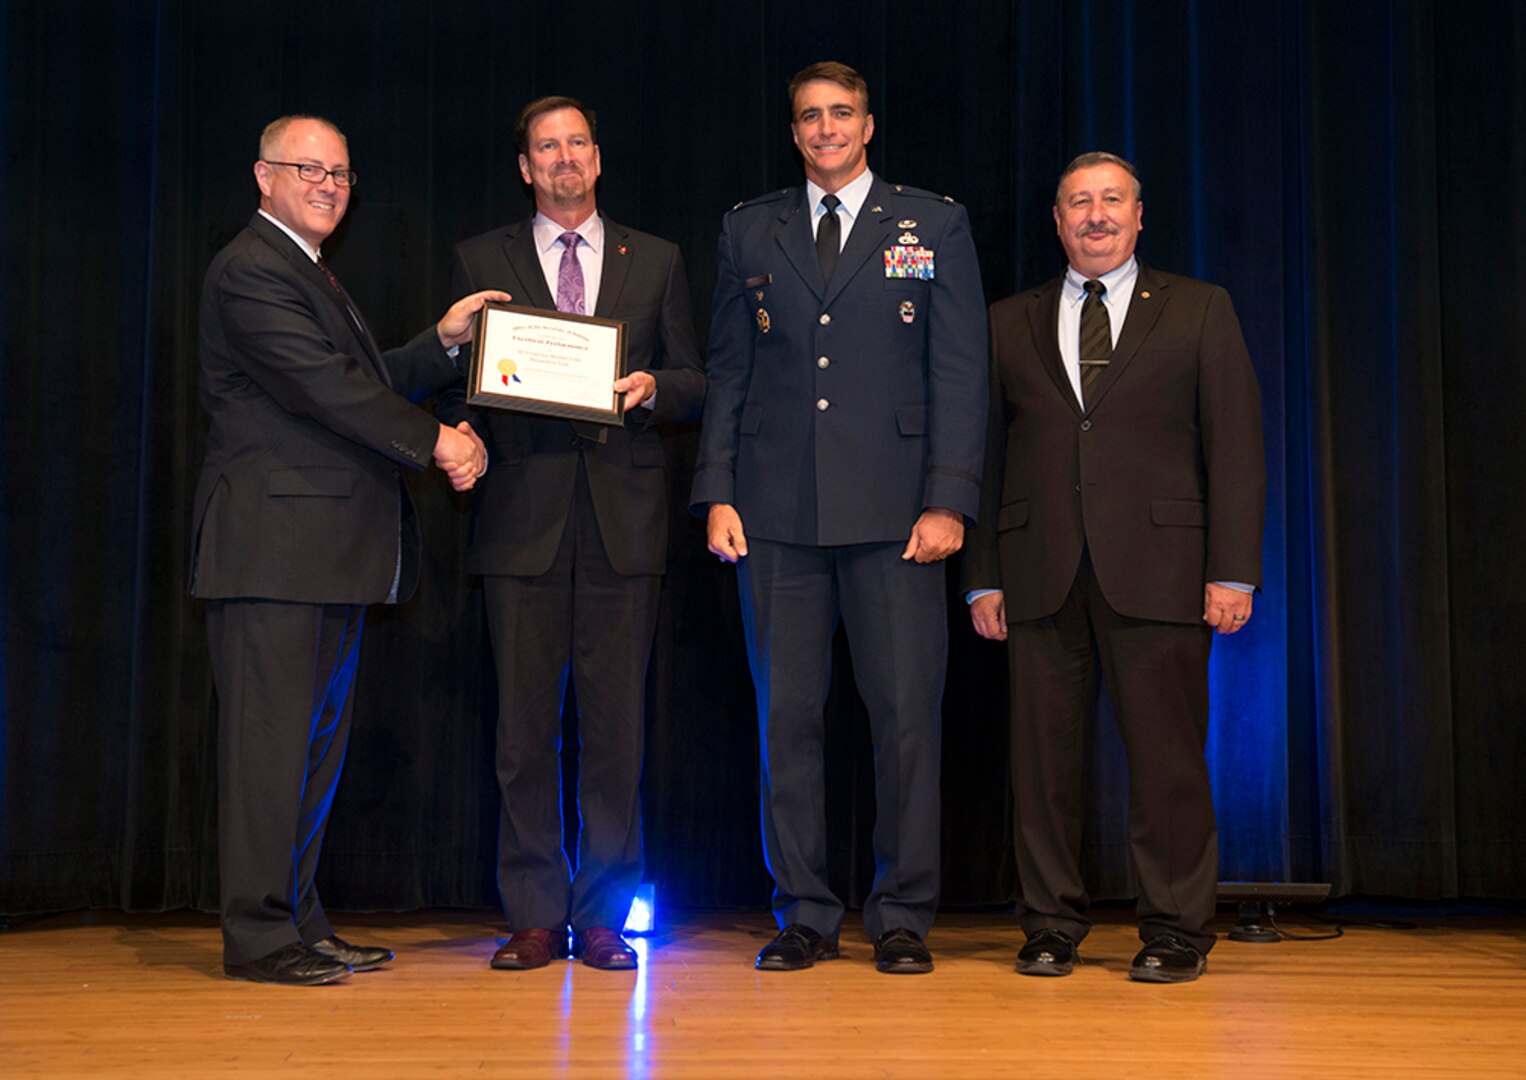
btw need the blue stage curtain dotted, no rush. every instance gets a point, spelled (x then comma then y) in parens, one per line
(1350, 173)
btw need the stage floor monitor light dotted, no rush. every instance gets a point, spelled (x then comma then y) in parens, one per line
(643, 914)
(1259, 900)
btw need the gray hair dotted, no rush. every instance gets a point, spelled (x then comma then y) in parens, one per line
(270, 138)
(1099, 157)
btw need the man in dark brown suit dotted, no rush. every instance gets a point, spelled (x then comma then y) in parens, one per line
(1120, 526)
(569, 530)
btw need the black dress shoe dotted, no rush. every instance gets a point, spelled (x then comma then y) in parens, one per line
(1167, 958)
(290, 965)
(795, 948)
(359, 957)
(1047, 952)
(901, 952)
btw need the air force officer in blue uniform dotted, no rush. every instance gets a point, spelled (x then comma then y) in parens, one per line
(839, 464)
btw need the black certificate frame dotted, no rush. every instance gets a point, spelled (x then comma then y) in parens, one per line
(554, 322)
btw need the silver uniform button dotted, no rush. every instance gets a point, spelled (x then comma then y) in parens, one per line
(825, 319)
(822, 405)
(823, 363)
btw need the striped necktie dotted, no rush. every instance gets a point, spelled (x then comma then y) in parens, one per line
(1096, 339)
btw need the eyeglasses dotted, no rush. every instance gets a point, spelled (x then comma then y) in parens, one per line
(316, 174)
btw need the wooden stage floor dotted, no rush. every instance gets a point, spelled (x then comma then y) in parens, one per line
(106, 994)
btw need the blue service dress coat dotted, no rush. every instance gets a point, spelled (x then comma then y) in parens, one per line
(836, 415)
(838, 412)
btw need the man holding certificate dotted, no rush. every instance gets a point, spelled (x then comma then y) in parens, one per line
(569, 531)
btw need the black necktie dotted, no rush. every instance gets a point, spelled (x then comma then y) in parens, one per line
(1096, 339)
(829, 237)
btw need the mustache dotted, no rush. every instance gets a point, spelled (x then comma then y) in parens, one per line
(1097, 226)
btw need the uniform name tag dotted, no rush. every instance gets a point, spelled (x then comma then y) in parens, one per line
(903, 261)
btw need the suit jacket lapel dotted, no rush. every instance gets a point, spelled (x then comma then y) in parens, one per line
(799, 245)
(869, 235)
(1148, 301)
(524, 260)
(616, 264)
(352, 316)
(305, 267)
(1044, 324)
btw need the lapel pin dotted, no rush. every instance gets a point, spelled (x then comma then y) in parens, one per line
(624, 250)
(1145, 295)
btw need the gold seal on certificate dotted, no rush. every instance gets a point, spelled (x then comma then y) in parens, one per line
(533, 360)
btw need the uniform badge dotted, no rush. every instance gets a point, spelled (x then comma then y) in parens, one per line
(763, 324)
(908, 238)
(905, 261)
(758, 295)
(906, 224)
(876, 210)
(908, 311)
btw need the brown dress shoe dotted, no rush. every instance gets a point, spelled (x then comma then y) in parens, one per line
(530, 948)
(605, 949)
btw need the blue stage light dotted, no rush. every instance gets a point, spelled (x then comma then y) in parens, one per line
(643, 914)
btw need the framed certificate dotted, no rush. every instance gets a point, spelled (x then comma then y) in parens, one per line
(532, 360)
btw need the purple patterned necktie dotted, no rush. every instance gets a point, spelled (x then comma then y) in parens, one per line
(569, 277)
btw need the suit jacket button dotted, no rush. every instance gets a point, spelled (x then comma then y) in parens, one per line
(823, 363)
(823, 405)
(825, 320)
(1086, 425)
(1078, 489)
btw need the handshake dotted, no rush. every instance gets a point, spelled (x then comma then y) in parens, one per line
(460, 452)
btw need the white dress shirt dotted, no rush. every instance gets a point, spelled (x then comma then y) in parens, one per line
(852, 195)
